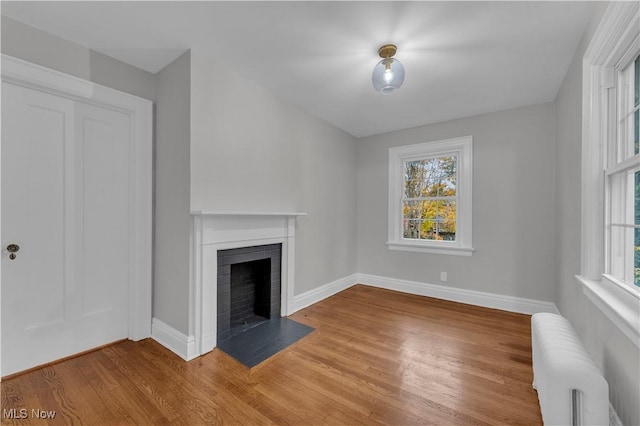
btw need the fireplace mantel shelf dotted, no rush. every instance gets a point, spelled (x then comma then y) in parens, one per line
(245, 213)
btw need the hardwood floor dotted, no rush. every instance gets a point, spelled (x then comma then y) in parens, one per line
(376, 357)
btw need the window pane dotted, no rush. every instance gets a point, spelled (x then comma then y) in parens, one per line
(636, 150)
(411, 229)
(624, 214)
(626, 138)
(430, 177)
(447, 187)
(636, 197)
(636, 80)
(447, 211)
(447, 215)
(448, 230)
(439, 230)
(618, 199)
(431, 189)
(627, 113)
(636, 258)
(419, 218)
(446, 167)
(430, 210)
(415, 179)
(411, 209)
(636, 138)
(636, 103)
(431, 232)
(622, 258)
(429, 220)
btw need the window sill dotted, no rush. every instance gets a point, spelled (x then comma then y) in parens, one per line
(420, 248)
(619, 304)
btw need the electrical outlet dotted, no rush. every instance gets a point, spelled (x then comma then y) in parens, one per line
(443, 277)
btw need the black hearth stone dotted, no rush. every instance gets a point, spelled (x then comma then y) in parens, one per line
(260, 342)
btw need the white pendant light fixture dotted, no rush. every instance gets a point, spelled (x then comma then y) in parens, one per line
(388, 74)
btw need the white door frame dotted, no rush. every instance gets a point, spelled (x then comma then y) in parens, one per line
(140, 111)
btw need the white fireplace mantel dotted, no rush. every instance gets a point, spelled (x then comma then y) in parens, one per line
(222, 230)
(244, 213)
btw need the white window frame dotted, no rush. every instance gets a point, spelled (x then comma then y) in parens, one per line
(616, 36)
(620, 165)
(460, 147)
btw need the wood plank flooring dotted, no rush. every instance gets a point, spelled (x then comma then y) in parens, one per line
(376, 357)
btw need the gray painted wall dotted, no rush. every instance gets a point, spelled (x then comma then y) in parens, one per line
(33, 45)
(171, 194)
(614, 353)
(246, 144)
(513, 205)
(252, 151)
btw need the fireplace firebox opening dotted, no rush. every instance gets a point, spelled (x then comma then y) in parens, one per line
(248, 288)
(250, 293)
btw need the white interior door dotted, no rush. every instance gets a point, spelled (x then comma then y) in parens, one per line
(66, 202)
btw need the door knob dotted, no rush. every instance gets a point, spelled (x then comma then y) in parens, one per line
(12, 249)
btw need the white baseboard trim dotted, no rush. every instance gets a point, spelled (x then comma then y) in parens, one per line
(472, 297)
(182, 345)
(314, 296)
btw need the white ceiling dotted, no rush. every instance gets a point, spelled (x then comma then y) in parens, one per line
(461, 58)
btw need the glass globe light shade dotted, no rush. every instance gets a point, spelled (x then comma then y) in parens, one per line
(388, 76)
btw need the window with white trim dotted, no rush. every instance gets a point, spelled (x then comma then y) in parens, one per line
(622, 175)
(610, 165)
(430, 197)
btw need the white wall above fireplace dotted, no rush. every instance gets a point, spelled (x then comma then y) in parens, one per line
(213, 231)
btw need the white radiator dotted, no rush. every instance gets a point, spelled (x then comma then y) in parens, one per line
(570, 387)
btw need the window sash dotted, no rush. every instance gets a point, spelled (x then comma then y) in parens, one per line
(437, 220)
(627, 111)
(433, 180)
(623, 164)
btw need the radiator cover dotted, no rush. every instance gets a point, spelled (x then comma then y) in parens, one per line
(571, 389)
